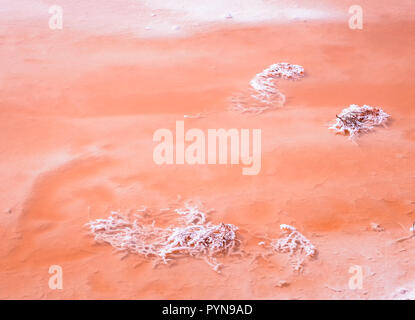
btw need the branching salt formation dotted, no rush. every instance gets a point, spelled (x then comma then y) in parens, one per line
(265, 92)
(355, 120)
(295, 244)
(193, 236)
(264, 83)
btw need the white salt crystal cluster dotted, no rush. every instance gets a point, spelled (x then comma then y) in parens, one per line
(192, 236)
(192, 214)
(404, 294)
(264, 83)
(293, 242)
(263, 93)
(355, 120)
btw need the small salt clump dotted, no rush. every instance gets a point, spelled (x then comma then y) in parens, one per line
(293, 242)
(191, 236)
(296, 245)
(356, 120)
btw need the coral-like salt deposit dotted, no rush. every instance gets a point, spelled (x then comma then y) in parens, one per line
(192, 236)
(264, 92)
(295, 244)
(264, 83)
(355, 120)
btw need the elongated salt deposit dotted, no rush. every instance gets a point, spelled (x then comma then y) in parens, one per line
(192, 236)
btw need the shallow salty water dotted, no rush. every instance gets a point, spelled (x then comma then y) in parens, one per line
(79, 107)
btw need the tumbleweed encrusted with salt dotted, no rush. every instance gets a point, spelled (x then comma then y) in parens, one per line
(355, 120)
